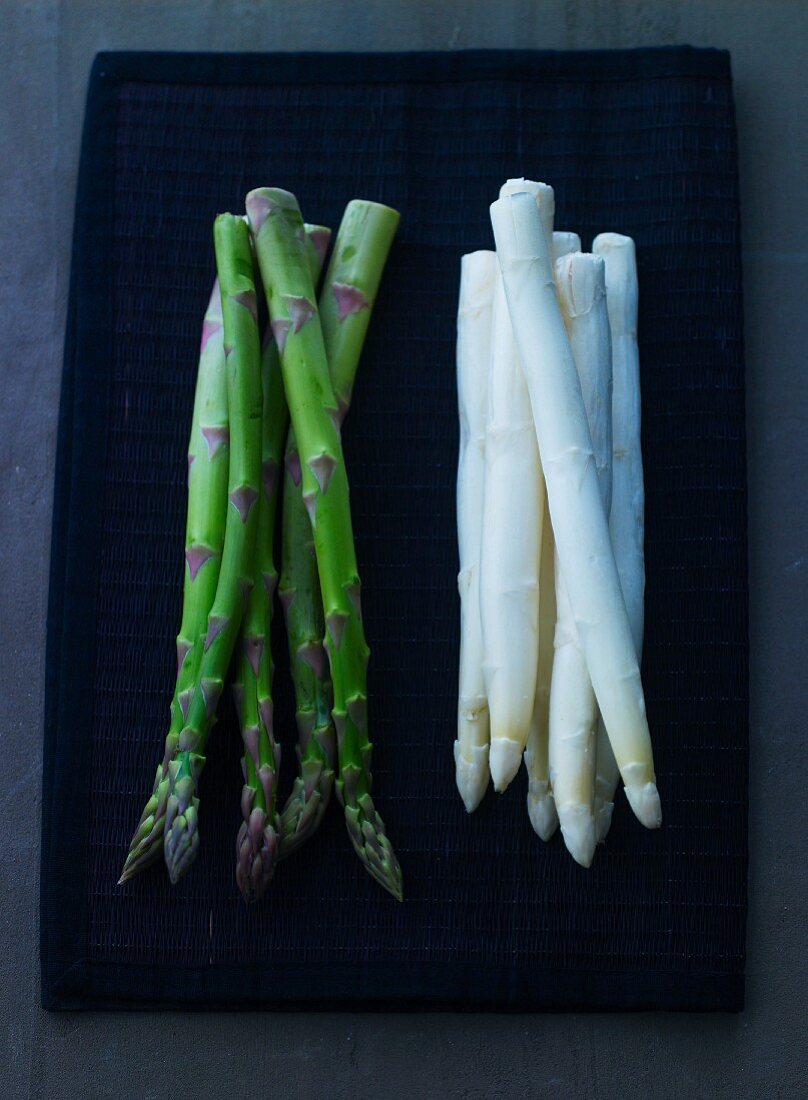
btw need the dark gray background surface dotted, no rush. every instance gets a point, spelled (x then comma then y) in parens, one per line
(46, 47)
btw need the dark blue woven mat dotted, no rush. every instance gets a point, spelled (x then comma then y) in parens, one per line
(642, 142)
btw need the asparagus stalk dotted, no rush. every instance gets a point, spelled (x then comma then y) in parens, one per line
(627, 516)
(242, 354)
(258, 841)
(277, 228)
(579, 522)
(511, 543)
(510, 565)
(540, 802)
(208, 455)
(573, 710)
(478, 277)
(346, 302)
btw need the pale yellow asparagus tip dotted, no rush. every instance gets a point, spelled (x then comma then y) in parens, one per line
(578, 829)
(643, 797)
(504, 760)
(541, 806)
(471, 773)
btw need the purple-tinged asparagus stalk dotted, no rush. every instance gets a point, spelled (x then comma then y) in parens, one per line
(208, 459)
(258, 837)
(346, 302)
(278, 230)
(243, 365)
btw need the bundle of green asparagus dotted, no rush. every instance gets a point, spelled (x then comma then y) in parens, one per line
(261, 405)
(550, 524)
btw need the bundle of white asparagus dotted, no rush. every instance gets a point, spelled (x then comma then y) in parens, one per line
(550, 515)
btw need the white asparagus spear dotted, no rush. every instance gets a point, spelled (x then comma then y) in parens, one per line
(540, 803)
(579, 521)
(509, 731)
(581, 284)
(627, 517)
(479, 274)
(509, 568)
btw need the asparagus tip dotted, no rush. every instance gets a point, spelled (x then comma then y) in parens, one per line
(578, 829)
(504, 759)
(135, 864)
(541, 808)
(644, 801)
(369, 839)
(146, 844)
(181, 834)
(143, 852)
(471, 774)
(256, 855)
(182, 844)
(305, 807)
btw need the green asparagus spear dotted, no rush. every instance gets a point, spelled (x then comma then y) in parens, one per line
(346, 301)
(257, 842)
(280, 245)
(208, 460)
(243, 364)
